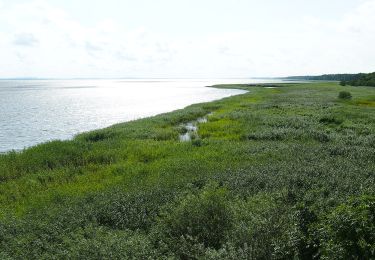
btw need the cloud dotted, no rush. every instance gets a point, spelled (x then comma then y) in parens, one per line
(63, 47)
(70, 49)
(123, 56)
(92, 49)
(25, 39)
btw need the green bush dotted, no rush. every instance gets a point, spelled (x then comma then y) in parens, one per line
(136, 211)
(349, 231)
(204, 219)
(259, 222)
(197, 142)
(330, 120)
(345, 95)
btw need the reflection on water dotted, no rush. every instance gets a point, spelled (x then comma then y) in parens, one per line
(191, 129)
(36, 111)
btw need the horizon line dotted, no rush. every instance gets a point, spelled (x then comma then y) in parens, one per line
(151, 78)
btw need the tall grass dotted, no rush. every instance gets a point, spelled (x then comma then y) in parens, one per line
(275, 173)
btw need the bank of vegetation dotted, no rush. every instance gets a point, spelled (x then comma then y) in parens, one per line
(276, 173)
(327, 77)
(359, 79)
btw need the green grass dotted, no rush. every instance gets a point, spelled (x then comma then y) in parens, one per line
(271, 176)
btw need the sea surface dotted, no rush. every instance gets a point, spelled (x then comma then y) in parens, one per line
(36, 111)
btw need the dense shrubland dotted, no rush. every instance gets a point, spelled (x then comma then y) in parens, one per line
(275, 173)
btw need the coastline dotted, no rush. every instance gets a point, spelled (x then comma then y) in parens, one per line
(262, 160)
(88, 106)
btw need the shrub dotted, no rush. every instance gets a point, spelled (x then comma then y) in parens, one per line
(137, 211)
(345, 95)
(164, 134)
(197, 142)
(97, 136)
(330, 120)
(266, 226)
(205, 219)
(349, 230)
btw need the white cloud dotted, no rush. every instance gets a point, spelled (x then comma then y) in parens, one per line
(25, 39)
(62, 47)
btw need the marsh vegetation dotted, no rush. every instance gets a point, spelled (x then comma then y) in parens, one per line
(277, 173)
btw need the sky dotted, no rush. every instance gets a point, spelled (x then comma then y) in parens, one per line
(185, 38)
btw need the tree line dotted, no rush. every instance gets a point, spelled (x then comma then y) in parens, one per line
(333, 77)
(362, 80)
(359, 79)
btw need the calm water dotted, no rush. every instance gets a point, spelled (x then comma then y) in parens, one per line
(35, 111)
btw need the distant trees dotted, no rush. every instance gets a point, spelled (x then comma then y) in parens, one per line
(361, 80)
(331, 77)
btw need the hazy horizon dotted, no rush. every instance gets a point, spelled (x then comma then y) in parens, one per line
(156, 78)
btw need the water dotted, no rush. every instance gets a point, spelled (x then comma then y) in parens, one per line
(192, 129)
(35, 111)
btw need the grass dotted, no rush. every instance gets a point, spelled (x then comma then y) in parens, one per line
(270, 176)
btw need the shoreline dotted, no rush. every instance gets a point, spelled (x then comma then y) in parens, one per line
(72, 136)
(293, 161)
(243, 87)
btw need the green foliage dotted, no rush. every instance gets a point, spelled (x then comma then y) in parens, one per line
(96, 136)
(264, 226)
(330, 120)
(136, 211)
(203, 218)
(283, 173)
(197, 142)
(349, 230)
(363, 80)
(334, 77)
(345, 95)
(360, 79)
